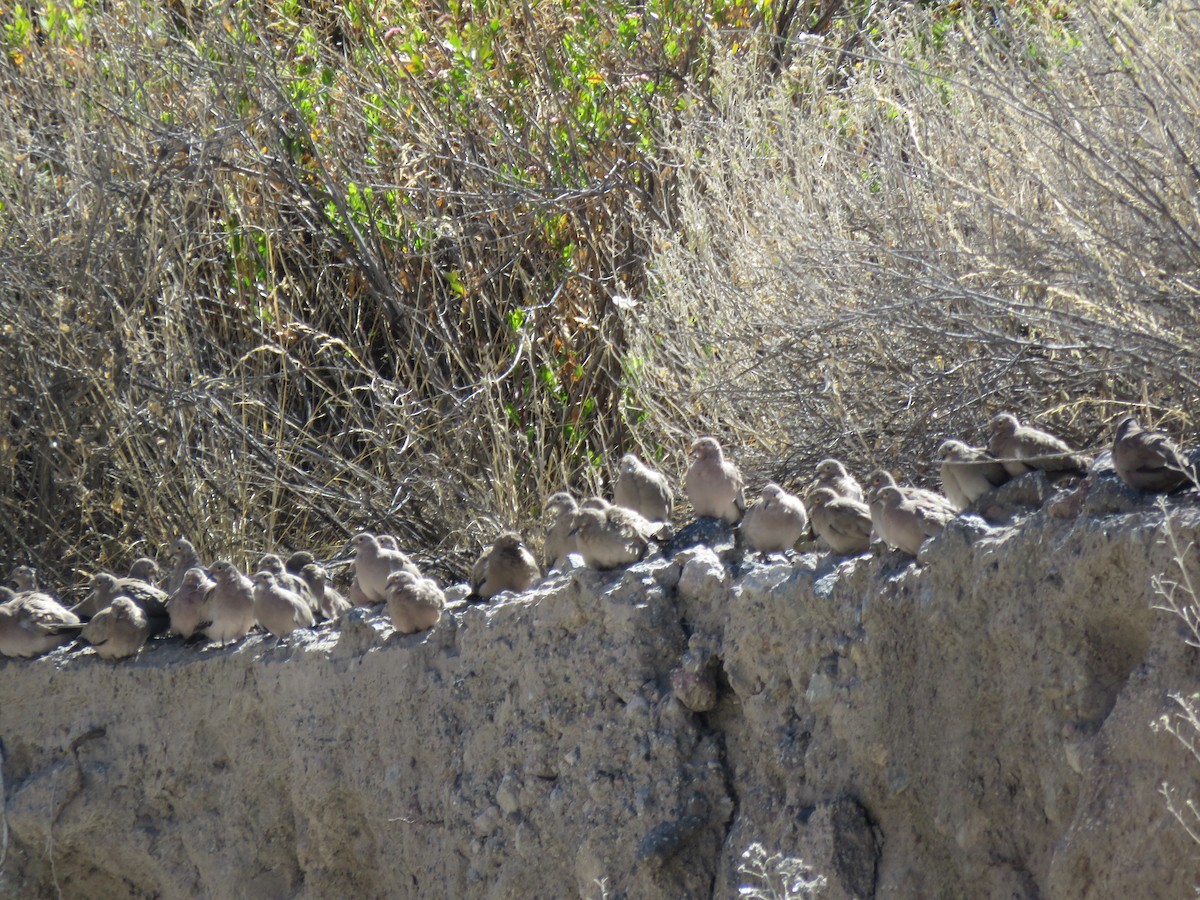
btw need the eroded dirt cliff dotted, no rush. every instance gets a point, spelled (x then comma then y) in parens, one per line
(975, 726)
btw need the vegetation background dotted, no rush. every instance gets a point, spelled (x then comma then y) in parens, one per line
(273, 272)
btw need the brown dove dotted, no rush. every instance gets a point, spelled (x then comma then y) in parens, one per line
(1149, 460)
(278, 609)
(907, 520)
(229, 614)
(880, 479)
(373, 563)
(968, 472)
(833, 475)
(186, 557)
(506, 566)
(1021, 449)
(414, 603)
(119, 630)
(272, 563)
(606, 541)
(106, 587)
(775, 522)
(144, 569)
(558, 540)
(33, 623)
(331, 601)
(712, 484)
(187, 606)
(842, 523)
(644, 490)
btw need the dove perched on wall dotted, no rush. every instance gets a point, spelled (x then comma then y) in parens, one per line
(506, 566)
(106, 587)
(1149, 460)
(278, 609)
(1022, 448)
(33, 623)
(373, 563)
(714, 485)
(644, 490)
(775, 522)
(558, 540)
(229, 614)
(119, 630)
(271, 562)
(968, 472)
(908, 520)
(842, 523)
(186, 557)
(331, 601)
(187, 607)
(414, 603)
(833, 475)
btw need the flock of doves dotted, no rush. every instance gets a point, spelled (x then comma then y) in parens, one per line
(221, 604)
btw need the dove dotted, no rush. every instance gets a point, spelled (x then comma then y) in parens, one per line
(414, 603)
(106, 587)
(833, 475)
(144, 569)
(506, 566)
(229, 613)
(1021, 449)
(278, 609)
(880, 479)
(775, 522)
(272, 563)
(119, 630)
(33, 623)
(373, 563)
(25, 578)
(842, 523)
(332, 603)
(968, 472)
(558, 540)
(607, 542)
(644, 490)
(907, 520)
(187, 606)
(1149, 460)
(185, 558)
(298, 561)
(712, 484)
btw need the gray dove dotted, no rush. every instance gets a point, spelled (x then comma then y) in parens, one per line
(373, 563)
(558, 540)
(119, 630)
(33, 623)
(907, 520)
(187, 606)
(644, 490)
(833, 475)
(106, 587)
(229, 614)
(414, 603)
(775, 522)
(842, 523)
(186, 558)
(278, 609)
(332, 603)
(968, 472)
(506, 566)
(713, 485)
(271, 562)
(1022, 448)
(1149, 460)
